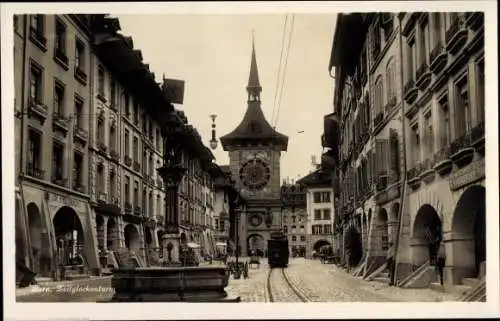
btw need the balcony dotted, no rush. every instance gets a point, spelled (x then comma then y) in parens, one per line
(456, 35)
(378, 119)
(390, 104)
(474, 20)
(38, 39)
(128, 208)
(438, 58)
(128, 160)
(423, 76)
(461, 150)
(138, 210)
(80, 134)
(60, 123)
(80, 75)
(63, 182)
(35, 172)
(137, 166)
(102, 148)
(61, 58)
(102, 197)
(477, 138)
(413, 177)
(38, 110)
(427, 173)
(114, 155)
(410, 91)
(442, 161)
(77, 186)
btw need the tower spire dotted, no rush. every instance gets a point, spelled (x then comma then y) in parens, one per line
(253, 86)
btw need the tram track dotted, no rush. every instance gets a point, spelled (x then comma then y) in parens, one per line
(279, 288)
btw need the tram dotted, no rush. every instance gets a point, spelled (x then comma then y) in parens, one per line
(277, 250)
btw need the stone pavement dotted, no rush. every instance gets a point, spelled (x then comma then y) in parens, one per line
(328, 283)
(252, 289)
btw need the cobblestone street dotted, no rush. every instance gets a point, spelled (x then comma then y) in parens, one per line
(318, 282)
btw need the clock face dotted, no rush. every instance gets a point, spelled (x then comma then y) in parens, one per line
(255, 174)
(255, 220)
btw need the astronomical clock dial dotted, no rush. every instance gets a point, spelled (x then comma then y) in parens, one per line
(255, 174)
(255, 220)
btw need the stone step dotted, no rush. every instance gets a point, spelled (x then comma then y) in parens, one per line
(470, 281)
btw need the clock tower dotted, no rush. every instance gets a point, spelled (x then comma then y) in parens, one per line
(255, 149)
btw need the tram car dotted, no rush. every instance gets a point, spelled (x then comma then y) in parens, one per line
(277, 250)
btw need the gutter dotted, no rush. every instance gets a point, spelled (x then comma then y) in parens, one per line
(404, 176)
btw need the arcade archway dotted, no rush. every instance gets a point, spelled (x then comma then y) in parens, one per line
(132, 241)
(427, 228)
(255, 242)
(111, 234)
(383, 229)
(69, 236)
(352, 242)
(319, 244)
(35, 232)
(469, 228)
(148, 236)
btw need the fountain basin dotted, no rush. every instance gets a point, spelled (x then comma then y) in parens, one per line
(171, 284)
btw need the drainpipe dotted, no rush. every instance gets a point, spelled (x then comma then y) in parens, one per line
(404, 177)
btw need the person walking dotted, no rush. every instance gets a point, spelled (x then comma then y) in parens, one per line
(390, 262)
(440, 263)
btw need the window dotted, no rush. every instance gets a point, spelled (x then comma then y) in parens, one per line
(112, 186)
(391, 80)
(79, 55)
(158, 203)
(151, 165)
(58, 98)
(60, 41)
(77, 169)
(410, 59)
(415, 137)
(326, 197)
(285, 229)
(112, 137)
(480, 91)
(429, 134)
(217, 224)
(444, 119)
(438, 34)
(294, 228)
(320, 229)
(317, 197)
(112, 85)
(157, 139)
(317, 215)
(37, 23)
(78, 112)
(144, 201)
(36, 84)
(151, 203)
(136, 149)
(327, 229)
(424, 37)
(57, 161)
(462, 111)
(136, 193)
(136, 112)
(302, 228)
(222, 226)
(294, 238)
(302, 238)
(127, 105)
(127, 142)
(100, 81)
(34, 152)
(294, 219)
(379, 96)
(100, 179)
(327, 214)
(100, 130)
(127, 189)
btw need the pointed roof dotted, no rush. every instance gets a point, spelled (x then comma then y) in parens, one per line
(318, 178)
(253, 78)
(254, 128)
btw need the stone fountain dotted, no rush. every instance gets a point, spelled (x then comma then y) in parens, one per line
(179, 279)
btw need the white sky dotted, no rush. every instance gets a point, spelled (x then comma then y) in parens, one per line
(212, 54)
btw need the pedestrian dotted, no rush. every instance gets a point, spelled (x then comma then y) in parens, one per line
(348, 259)
(390, 262)
(440, 263)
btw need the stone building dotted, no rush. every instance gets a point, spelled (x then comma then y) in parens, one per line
(409, 116)
(52, 97)
(319, 209)
(255, 153)
(294, 217)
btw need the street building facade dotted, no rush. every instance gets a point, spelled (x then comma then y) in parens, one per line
(319, 209)
(409, 120)
(89, 123)
(255, 153)
(294, 217)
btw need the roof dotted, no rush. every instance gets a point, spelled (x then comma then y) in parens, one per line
(317, 178)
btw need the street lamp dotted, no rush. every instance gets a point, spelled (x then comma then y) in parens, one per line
(213, 141)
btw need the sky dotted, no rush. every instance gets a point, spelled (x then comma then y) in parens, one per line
(211, 53)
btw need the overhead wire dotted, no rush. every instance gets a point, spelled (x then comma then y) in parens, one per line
(279, 67)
